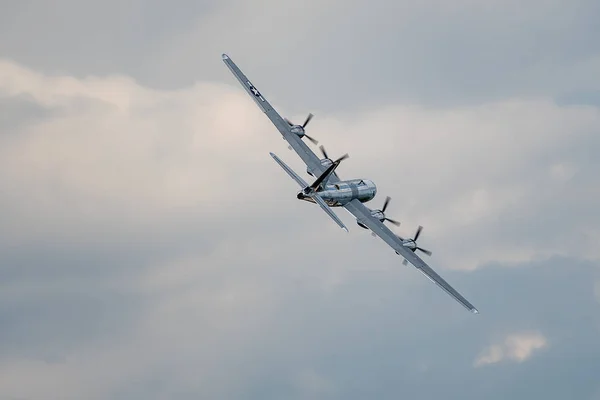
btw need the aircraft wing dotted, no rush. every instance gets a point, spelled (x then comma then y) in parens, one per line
(363, 214)
(310, 159)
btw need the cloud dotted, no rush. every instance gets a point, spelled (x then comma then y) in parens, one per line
(102, 155)
(114, 152)
(517, 347)
(562, 171)
(597, 291)
(150, 247)
(377, 53)
(312, 385)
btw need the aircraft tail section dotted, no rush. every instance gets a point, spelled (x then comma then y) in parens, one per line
(322, 179)
(310, 192)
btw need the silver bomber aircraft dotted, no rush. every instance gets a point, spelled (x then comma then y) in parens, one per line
(328, 190)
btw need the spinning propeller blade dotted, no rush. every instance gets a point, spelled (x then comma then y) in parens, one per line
(307, 120)
(424, 251)
(385, 205)
(393, 221)
(313, 140)
(417, 234)
(315, 186)
(325, 155)
(322, 148)
(290, 123)
(341, 158)
(412, 243)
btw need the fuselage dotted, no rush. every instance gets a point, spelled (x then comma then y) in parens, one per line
(342, 192)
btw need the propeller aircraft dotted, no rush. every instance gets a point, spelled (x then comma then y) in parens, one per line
(328, 190)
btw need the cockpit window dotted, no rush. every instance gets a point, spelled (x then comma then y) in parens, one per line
(361, 183)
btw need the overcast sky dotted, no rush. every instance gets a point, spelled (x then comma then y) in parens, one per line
(151, 249)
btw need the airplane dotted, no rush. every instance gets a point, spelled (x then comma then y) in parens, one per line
(328, 190)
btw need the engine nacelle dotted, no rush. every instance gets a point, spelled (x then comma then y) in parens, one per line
(297, 130)
(377, 214)
(325, 162)
(409, 243)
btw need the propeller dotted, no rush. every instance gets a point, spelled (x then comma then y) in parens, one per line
(322, 148)
(326, 156)
(310, 115)
(385, 204)
(315, 186)
(412, 244)
(414, 240)
(380, 214)
(300, 129)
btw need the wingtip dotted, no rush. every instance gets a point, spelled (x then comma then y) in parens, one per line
(346, 229)
(475, 311)
(225, 56)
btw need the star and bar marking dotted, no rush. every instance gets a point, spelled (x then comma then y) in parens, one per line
(255, 91)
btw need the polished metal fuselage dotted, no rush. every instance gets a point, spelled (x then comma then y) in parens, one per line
(342, 192)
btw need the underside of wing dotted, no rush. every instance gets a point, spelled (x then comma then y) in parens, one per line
(363, 215)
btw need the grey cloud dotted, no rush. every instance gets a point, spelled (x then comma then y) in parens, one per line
(430, 53)
(583, 97)
(377, 334)
(90, 37)
(129, 269)
(177, 176)
(374, 344)
(96, 165)
(370, 338)
(19, 110)
(496, 189)
(326, 59)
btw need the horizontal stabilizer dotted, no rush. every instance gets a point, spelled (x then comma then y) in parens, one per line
(290, 172)
(329, 211)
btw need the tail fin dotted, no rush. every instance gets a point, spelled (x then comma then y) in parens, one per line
(312, 193)
(325, 175)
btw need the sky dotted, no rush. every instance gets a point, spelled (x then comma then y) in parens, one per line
(150, 248)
